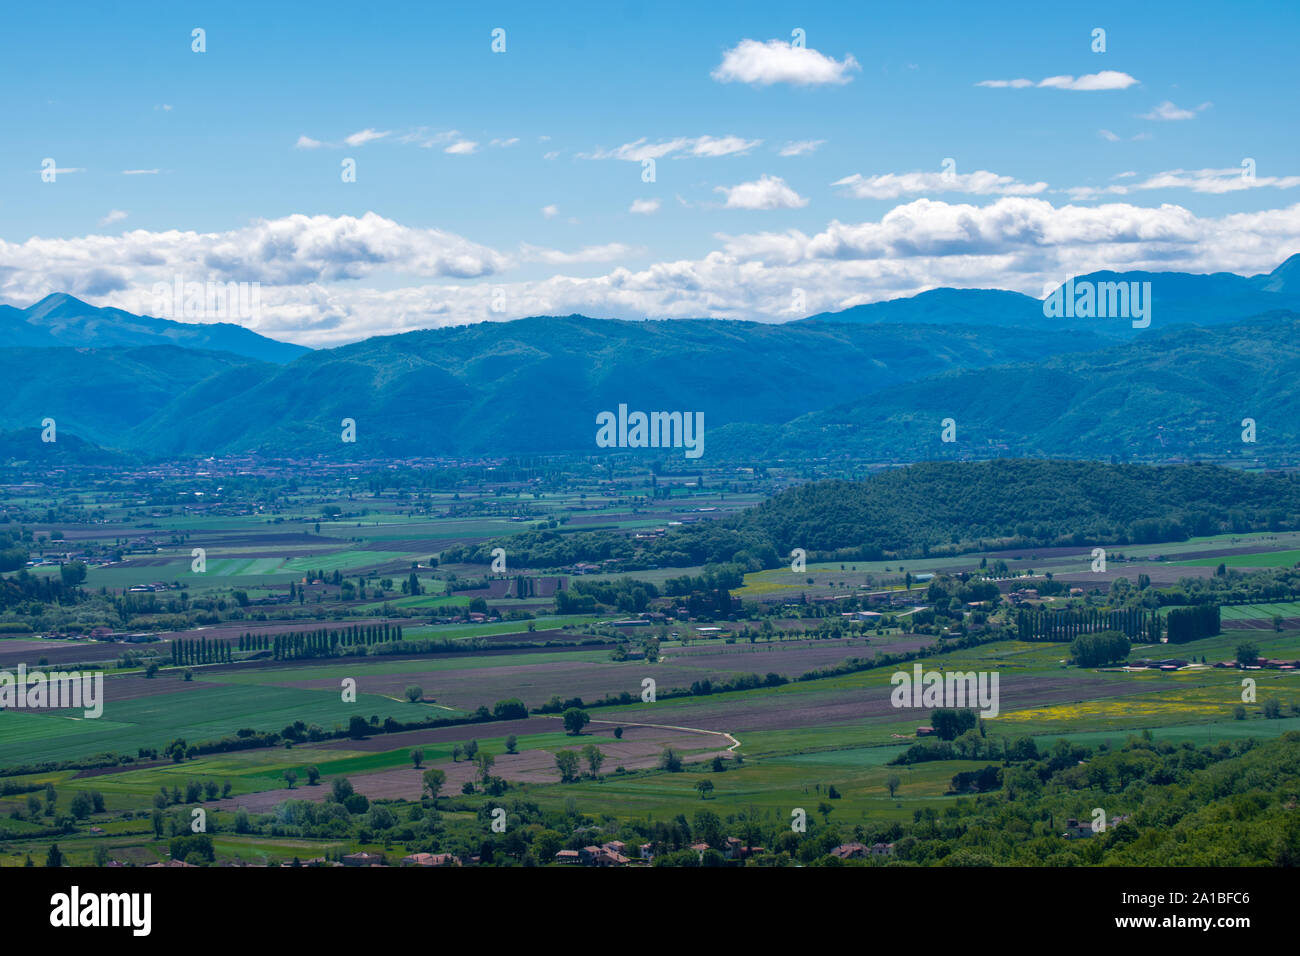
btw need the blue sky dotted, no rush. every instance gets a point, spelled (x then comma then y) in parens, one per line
(531, 203)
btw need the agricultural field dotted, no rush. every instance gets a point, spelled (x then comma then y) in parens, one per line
(341, 639)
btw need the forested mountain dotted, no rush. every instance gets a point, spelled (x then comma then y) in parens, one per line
(536, 385)
(936, 507)
(96, 395)
(1177, 298)
(1184, 391)
(858, 386)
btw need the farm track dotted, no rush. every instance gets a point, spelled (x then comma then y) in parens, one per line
(693, 730)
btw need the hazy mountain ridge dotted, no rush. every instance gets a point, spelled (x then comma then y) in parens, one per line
(844, 384)
(534, 385)
(63, 320)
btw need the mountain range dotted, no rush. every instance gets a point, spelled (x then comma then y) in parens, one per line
(63, 320)
(872, 382)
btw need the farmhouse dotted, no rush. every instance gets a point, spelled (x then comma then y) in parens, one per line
(430, 859)
(568, 856)
(850, 851)
(610, 854)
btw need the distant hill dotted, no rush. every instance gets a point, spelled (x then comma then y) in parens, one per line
(100, 394)
(1181, 392)
(24, 447)
(536, 385)
(1177, 298)
(848, 385)
(1040, 501)
(61, 319)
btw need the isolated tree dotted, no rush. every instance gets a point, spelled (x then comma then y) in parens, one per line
(591, 753)
(417, 757)
(313, 778)
(291, 777)
(670, 760)
(893, 782)
(81, 805)
(414, 693)
(485, 763)
(567, 762)
(1247, 654)
(574, 720)
(705, 787)
(455, 753)
(433, 782)
(512, 744)
(54, 857)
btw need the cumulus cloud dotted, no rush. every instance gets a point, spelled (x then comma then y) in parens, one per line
(462, 148)
(766, 192)
(551, 211)
(1167, 111)
(306, 142)
(644, 207)
(893, 185)
(1089, 82)
(329, 280)
(707, 147)
(114, 215)
(763, 64)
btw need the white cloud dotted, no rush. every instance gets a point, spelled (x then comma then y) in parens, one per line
(1090, 82)
(501, 143)
(361, 137)
(801, 147)
(1209, 181)
(763, 64)
(306, 142)
(463, 148)
(644, 207)
(1168, 111)
(705, 147)
(165, 107)
(551, 211)
(140, 172)
(329, 280)
(114, 215)
(893, 185)
(554, 154)
(1108, 136)
(609, 252)
(766, 192)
